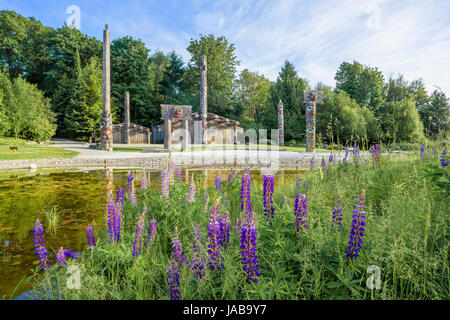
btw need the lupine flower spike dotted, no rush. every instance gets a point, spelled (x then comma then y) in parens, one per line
(131, 192)
(355, 153)
(444, 160)
(422, 152)
(178, 175)
(246, 204)
(218, 182)
(191, 196)
(225, 227)
(311, 164)
(300, 213)
(268, 190)
(151, 235)
(337, 215)
(214, 238)
(248, 248)
(174, 280)
(144, 182)
(230, 176)
(198, 264)
(90, 235)
(177, 254)
(358, 227)
(71, 254)
(39, 245)
(60, 257)
(137, 244)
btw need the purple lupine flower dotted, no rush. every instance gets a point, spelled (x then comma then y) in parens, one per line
(225, 227)
(165, 183)
(117, 221)
(137, 244)
(422, 152)
(144, 182)
(173, 280)
(355, 153)
(191, 196)
(248, 248)
(305, 186)
(444, 160)
(301, 212)
(331, 159)
(337, 215)
(347, 151)
(375, 151)
(71, 254)
(176, 248)
(297, 183)
(358, 227)
(205, 200)
(39, 245)
(311, 164)
(120, 196)
(60, 257)
(218, 182)
(230, 176)
(323, 164)
(198, 264)
(215, 258)
(112, 219)
(268, 190)
(178, 175)
(170, 168)
(246, 204)
(90, 235)
(151, 235)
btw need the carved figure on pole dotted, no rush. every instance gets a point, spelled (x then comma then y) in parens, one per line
(168, 114)
(311, 98)
(204, 98)
(127, 117)
(280, 123)
(106, 138)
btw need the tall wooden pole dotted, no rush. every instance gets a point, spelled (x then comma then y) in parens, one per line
(310, 126)
(203, 98)
(106, 142)
(280, 124)
(127, 117)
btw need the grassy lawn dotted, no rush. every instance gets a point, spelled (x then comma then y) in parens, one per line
(30, 151)
(133, 149)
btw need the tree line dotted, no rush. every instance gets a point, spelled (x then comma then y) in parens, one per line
(56, 74)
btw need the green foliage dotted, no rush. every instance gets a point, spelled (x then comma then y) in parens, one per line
(252, 96)
(221, 69)
(342, 120)
(401, 121)
(362, 83)
(436, 114)
(289, 89)
(130, 72)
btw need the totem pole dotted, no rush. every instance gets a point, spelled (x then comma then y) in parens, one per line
(203, 98)
(106, 140)
(171, 112)
(127, 117)
(311, 98)
(280, 124)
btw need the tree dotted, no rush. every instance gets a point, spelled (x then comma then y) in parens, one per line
(84, 108)
(221, 68)
(130, 72)
(436, 114)
(252, 96)
(171, 83)
(5, 95)
(401, 121)
(341, 120)
(289, 89)
(362, 83)
(158, 63)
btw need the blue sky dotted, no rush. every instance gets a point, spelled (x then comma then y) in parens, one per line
(397, 36)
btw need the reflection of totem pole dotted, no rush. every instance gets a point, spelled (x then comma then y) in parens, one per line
(203, 98)
(311, 99)
(127, 117)
(280, 124)
(106, 140)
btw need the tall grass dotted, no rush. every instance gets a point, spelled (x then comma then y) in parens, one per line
(406, 237)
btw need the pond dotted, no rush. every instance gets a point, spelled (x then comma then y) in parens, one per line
(79, 198)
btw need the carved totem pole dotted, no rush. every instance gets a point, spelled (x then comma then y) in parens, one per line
(106, 139)
(171, 112)
(280, 124)
(311, 98)
(203, 98)
(127, 117)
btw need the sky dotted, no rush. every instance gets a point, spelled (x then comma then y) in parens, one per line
(396, 36)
